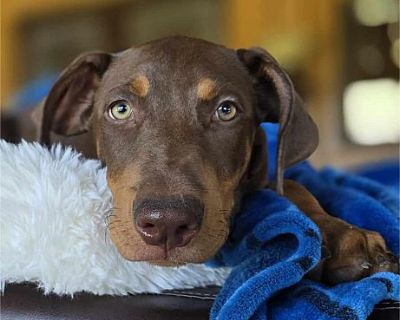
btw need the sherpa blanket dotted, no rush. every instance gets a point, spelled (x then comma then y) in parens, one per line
(273, 245)
(54, 209)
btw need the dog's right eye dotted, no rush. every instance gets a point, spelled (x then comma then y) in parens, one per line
(120, 110)
(226, 111)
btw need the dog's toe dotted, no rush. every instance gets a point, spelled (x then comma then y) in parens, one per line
(386, 261)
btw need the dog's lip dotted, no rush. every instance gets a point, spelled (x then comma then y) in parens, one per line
(166, 263)
(167, 258)
(160, 254)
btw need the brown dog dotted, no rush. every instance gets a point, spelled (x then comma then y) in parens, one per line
(176, 122)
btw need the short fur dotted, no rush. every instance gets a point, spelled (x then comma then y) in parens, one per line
(174, 144)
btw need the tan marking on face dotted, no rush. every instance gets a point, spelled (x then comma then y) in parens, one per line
(98, 148)
(122, 226)
(140, 86)
(206, 89)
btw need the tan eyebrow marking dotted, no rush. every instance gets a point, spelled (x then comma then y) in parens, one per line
(206, 89)
(140, 86)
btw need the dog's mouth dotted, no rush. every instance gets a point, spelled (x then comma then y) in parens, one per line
(191, 253)
(163, 257)
(166, 263)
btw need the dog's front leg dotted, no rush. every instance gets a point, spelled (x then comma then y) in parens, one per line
(349, 253)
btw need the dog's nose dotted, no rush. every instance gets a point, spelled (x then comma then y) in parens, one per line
(168, 223)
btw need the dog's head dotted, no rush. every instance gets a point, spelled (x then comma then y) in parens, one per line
(176, 122)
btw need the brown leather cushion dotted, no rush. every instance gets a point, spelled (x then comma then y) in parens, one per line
(386, 310)
(27, 302)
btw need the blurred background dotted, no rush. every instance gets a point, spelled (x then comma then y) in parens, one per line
(343, 55)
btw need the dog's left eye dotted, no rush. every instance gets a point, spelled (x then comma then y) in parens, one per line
(226, 111)
(120, 110)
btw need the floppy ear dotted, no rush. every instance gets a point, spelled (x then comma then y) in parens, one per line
(279, 102)
(68, 106)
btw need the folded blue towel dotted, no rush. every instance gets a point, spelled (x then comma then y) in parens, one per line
(386, 172)
(273, 245)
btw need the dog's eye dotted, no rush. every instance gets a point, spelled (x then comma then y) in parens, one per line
(226, 111)
(120, 110)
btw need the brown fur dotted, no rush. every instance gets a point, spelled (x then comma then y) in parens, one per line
(173, 146)
(348, 248)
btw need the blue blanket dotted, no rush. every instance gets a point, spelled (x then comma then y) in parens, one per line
(273, 245)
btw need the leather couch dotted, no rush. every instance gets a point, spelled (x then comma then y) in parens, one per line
(25, 301)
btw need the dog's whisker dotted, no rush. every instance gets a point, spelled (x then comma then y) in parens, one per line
(107, 219)
(112, 222)
(109, 216)
(111, 227)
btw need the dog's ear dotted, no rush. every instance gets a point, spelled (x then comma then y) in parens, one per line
(279, 102)
(69, 104)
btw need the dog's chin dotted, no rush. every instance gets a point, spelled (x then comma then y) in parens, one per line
(172, 258)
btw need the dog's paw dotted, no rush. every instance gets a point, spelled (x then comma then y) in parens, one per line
(350, 253)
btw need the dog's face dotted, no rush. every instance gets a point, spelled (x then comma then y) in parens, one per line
(176, 122)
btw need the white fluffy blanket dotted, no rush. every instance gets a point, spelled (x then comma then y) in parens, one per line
(53, 209)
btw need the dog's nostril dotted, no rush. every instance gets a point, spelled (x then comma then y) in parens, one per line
(182, 228)
(148, 226)
(187, 228)
(148, 229)
(184, 231)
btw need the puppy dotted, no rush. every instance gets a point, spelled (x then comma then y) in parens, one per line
(177, 123)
